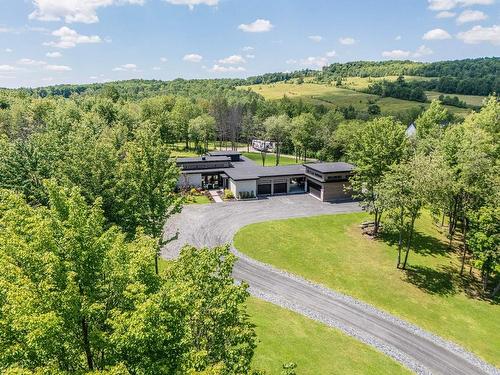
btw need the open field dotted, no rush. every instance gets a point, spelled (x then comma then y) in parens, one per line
(475, 100)
(270, 159)
(331, 250)
(330, 96)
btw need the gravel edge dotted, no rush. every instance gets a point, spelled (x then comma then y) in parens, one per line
(367, 339)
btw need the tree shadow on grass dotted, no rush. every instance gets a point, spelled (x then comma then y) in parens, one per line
(431, 281)
(422, 244)
(446, 281)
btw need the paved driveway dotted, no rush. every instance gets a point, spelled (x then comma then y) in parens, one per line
(215, 224)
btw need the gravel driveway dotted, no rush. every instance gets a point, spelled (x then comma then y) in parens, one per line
(215, 224)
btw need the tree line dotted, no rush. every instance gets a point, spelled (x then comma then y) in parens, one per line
(450, 168)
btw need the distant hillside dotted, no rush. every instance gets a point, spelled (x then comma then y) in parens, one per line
(470, 76)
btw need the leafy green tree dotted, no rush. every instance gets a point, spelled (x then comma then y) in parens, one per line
(202, 129)
(183, 111)
(378, 145)
(484, 241)
(218, 330)
(403, 192)
(277, 128)
(303, 132)
(147, 178)
(430, 126)
(77, 296)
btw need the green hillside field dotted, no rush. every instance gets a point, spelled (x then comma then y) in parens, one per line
(332, 96)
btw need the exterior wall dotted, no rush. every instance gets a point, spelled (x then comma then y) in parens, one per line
(187, 180)
(335, 191)
(243, 186)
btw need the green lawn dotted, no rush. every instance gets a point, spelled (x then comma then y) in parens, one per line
(331, 250)
(198, 199)
(284, 336)
(270, 159)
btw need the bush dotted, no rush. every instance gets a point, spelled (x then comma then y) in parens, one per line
(228, 194)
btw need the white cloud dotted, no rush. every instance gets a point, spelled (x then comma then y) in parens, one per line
(84, 11)
(8, 50)
(7, 68)
(31, 62)
(248, 48)
(471, 16)
(227, 69)
(58, 68)
(440, 5)
(53, 55)
(163, 59)
(445, 5)
(156, 68)
(347, 41)
(69, 38)
(4, 30)
(193, 57)
(331, 53)
(398, 37)
(479, 34)
(250, 56)
(445, 14)
(396, 54)
(47, 79)
(191, 3)
(291, 61)
(315, 38)
(232, 60)
(314, 61)
(258, 26)
(423, 51)
(125, 68)
(436, 34)
(466, 3)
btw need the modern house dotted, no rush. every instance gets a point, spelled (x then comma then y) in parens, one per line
(231, 170)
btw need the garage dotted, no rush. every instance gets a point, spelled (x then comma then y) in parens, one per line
(264, 189)
(280, 188)
(314, 189)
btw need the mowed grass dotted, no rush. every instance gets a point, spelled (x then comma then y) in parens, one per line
(284, 336)
(332, 96)
(332, 251)
(198, 199)
(270, 159)
(475, 100)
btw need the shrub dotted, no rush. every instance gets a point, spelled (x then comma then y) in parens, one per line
(228, 194)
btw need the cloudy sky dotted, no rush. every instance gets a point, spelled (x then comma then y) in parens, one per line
(46, 42)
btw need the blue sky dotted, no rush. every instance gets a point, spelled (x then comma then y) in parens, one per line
(46, 42)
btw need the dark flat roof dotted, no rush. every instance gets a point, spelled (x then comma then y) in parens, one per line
(331, 167)
(222, 153)
(201, 159)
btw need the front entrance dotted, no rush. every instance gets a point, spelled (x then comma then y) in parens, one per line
(212, 181)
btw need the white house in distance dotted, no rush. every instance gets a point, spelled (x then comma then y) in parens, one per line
(231, 170)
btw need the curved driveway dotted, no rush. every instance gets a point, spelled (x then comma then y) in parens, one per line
(215, 224)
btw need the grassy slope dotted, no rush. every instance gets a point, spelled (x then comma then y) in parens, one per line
(270, 159)
(284, 336)
(330, 95)
(331, 250)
